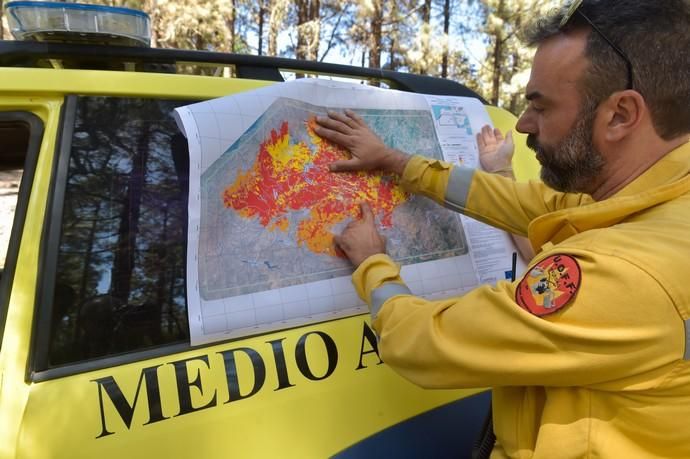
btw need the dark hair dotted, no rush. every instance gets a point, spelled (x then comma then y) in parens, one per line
(654, 34)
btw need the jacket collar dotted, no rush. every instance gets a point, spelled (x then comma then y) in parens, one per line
(671, 168)
(667, 179)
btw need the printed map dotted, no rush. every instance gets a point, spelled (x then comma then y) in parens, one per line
(269, 205)
(452, 116)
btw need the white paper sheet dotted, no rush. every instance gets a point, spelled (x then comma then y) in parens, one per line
(254, 266)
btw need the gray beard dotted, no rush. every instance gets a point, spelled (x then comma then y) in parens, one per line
(573, 165)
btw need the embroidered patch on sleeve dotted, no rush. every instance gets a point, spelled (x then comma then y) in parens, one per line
(549, 285)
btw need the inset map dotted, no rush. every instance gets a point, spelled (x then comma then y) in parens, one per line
(269, 204)
(452, 116)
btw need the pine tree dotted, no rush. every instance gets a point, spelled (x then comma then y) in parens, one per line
(506, 71)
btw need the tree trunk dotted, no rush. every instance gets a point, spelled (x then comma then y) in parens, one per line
(446, 28)
(315, 19)
(425, 43)
(307, 29)
(514, 99)
(301, 51)
(496, 82)
(376, 35)
(230, 24)
(426, 12)
(497, 60)
(275, 21)
(149, 7)
(88, 269)
(262, 13)
(161, 282)
(124, 259)
(393, 37)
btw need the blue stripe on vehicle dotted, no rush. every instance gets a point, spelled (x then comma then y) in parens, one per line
(446, 432)
(76, 6)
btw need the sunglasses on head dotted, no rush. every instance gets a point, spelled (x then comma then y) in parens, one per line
(575, 9)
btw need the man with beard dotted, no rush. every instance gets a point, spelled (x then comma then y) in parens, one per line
(588, 353)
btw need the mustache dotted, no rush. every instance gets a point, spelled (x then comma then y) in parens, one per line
(534, 145)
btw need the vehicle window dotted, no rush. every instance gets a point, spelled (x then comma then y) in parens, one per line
(21, 134)
(120, 275)
(14, 143)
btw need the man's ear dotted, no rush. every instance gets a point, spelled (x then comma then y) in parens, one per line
(622, 113)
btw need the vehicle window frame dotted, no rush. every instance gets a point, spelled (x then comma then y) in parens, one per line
(39, 368)
(36, 132)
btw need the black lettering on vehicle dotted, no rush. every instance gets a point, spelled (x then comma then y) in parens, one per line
(123, 407)
(369, 336)
(303, 362)
(149, 378)
(281, 365)
(184, 385)
(258, 366)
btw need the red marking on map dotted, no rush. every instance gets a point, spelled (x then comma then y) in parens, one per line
(291, 176)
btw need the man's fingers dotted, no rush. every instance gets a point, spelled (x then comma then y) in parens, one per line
(333, 124)
(498, 134)
(358, 119)
(488, 135)
(345, 165)
(336, 137)
(343, 118)
(480, 141)
(367, 214)
(509, 137)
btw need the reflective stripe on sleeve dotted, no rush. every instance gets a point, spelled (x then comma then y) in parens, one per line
(686, 356)
(458, 187)
(381, 294)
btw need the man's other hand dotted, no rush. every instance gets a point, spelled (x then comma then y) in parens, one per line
(495, 151)
(360, 238)
(368, 152)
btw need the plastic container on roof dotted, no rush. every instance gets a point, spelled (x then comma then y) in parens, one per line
(78, 22)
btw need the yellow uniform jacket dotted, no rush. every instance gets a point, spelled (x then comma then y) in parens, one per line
(589, 352)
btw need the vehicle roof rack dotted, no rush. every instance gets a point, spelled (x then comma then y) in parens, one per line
(40, 54)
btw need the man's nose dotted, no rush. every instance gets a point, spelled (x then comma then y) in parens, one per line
(526, 124)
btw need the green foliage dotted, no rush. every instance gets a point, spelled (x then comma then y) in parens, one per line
(504, 73)
(473, 41)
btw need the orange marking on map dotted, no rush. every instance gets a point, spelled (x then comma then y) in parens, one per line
(290, 177)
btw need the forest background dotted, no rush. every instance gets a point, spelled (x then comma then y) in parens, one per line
(475, 42)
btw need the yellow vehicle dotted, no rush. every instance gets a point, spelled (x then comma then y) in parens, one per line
(95, 360)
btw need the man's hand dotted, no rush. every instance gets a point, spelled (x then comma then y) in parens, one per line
(495, 151)
(360, 239)
(368, 152)
(495, 155)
